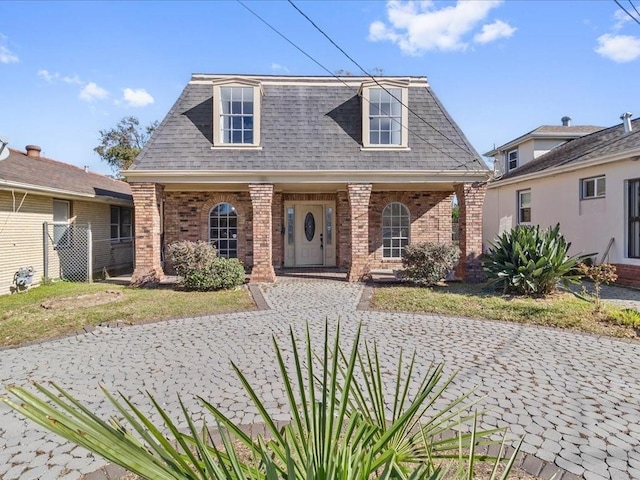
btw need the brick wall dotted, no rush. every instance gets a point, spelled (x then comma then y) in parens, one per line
(470, 201)
(343, 230)
(277, 211)
(147, 198)
(429, 214)
(628, 275)
(186, 217)
(262, 201)
(359, 195)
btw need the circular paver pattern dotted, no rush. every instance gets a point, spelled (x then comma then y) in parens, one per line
(574, 398)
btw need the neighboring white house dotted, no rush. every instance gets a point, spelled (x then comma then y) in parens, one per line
(590, 185)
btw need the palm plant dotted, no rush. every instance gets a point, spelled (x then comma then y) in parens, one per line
(344, 425)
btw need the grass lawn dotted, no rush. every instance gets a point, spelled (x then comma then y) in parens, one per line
(562, 309)
(70, 306)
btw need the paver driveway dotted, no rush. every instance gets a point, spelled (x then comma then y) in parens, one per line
(575, 398)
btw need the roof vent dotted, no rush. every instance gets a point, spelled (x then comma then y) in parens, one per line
(626, 120)
(33, 150)
(566, 121)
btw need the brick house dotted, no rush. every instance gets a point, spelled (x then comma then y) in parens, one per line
(284, 171)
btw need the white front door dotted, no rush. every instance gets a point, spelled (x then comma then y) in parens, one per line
(309, 227)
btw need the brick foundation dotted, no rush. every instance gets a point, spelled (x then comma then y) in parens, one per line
(147, 199)
(628, 275)
(470, 201)
(359, 195)
(262, 201)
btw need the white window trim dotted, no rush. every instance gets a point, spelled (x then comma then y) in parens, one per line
(258, 92)
(365, 91)
(237, 230)
(408, 211)
(583, 189)
(520, 192)
(508, 161)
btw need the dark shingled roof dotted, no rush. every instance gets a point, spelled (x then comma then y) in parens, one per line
(306, 127)
(46, 173)
(546, 131)
(605, 142)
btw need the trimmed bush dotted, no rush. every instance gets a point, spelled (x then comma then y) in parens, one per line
(186, 256)
(201, 270)
(529, 261)
(220, 274)
(427, 263)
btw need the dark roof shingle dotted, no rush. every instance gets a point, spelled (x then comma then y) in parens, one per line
(605, 142)
(46, 173)
(306, 127)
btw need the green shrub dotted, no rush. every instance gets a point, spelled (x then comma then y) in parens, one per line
(529, 261)
(186, 256)
(201, 270)
(628, 317)
(427, 263)
(219, 274)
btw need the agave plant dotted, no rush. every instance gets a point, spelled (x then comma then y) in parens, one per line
(342, 426)
(530, 261)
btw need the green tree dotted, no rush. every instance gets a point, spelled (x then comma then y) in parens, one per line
(119, 146)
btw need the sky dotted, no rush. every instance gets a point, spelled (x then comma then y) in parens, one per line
(501, 68)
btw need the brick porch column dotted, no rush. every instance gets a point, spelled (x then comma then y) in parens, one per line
(470, 201)
(359, 195)
(262, 199)
(146, 200)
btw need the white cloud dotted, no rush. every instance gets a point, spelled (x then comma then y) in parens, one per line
(55, 77)
(276, 67)
(7, 56)
(621, 19)
(417, 27)
(91, 91)
(494, 31)
(619, 48)
(137, 98)
(46, 75)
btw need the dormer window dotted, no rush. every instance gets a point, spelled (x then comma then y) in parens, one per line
(512, 159)
(384, 115)
(236, 114)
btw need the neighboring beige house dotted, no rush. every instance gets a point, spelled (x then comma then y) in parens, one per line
(289, 172)
(35, 190)
(590, 185)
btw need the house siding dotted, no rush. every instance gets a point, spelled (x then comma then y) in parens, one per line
(588, 224)
(21, 237)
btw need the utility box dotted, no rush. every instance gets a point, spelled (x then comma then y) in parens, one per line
(23, 278)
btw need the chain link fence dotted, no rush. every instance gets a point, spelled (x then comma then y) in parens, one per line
(67, 251)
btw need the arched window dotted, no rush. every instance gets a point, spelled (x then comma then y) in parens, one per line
(223, 230)
(395, 230)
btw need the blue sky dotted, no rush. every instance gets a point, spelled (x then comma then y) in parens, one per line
(70, 69)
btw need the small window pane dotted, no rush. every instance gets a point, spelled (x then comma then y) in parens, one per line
(223, 230)
(115, 214)
(601, 187)
(329, 226)
(290, 225)
(395, 231)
